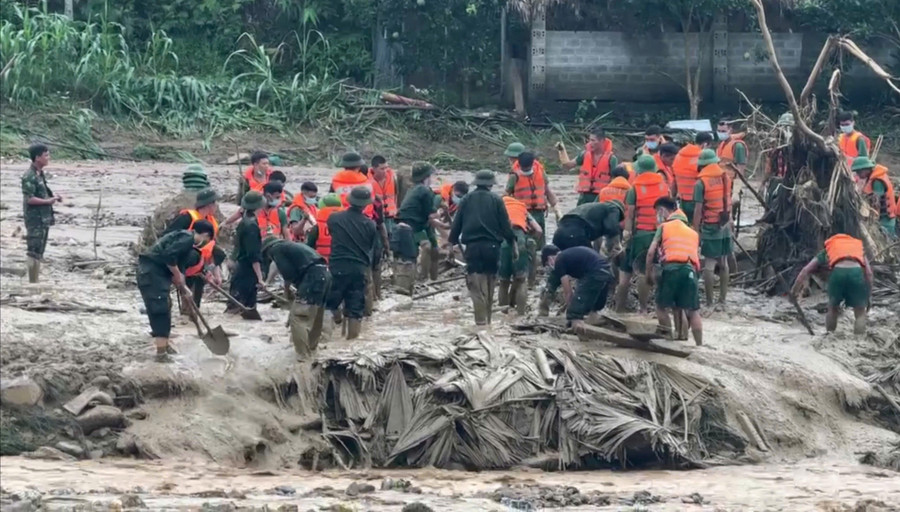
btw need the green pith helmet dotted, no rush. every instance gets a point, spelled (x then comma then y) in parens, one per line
(275, 160)
(194, 178)
(707, 156)
(862, 163)
(331, 199)
(352, 160)
(645, 163)
(269, 242)
(421, 170)
(485, 178)
(514, 150)
(253, 200)
(206, 197)
(360, 196)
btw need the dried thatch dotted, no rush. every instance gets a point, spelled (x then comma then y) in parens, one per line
(481, 407)
(168, 210)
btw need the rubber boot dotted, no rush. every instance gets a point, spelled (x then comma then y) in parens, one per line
(724, 281)
(315, 333)
(435, 263)
(490, 284)
(354, 326)
(376, 281)
(404, 277)
(302, 318)
(504, 294)
(519, 294)
(328, 325)
(424, 262)
(475, 283)
(532, 268)
(34, 269)
(709, 284)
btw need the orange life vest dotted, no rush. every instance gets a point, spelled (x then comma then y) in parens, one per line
(665, 170)
(251, 179)
(725, 151)
(345, 181)
(849, 144)
(685, 169)
(206, 258)
(531, 190)
(446, 193)
(269, 222)
(308, 209)
(648, 187)
(517, 211)
(680, 243)
(388, 191)
(323, 242)
(616, 191)
(716, 189)
(206, 252)
(844, 247)
(888, 207)
(594, 175)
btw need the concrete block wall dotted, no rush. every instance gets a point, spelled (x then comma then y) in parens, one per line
(620, 66)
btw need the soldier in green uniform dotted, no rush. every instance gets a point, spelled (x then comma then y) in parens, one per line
(413, 233)
(305, 269)
(38, 209)
(879, 190)
(160, 267)
(715, 236)
(247, 275)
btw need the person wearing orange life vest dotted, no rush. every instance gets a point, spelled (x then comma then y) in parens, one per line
(685, 169)
(853, 143)
(665, 158)
(595, 164)
(640, 227)
(679, 283)
(319, 238)
(712, 219)
(879, 190)
(653, 139)
(388, 187)
(513, 270)
(211, 256)
(733, 156)
(628, 168)
(850, 280)
(255, 176)
(528, 183)
(512, 152)
(349, 176)
(301, 213)
(618, 188)
(272, 218)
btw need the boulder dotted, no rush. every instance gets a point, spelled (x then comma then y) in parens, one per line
(72, 449)
(20, 391)
(99, 417)
(48, 453)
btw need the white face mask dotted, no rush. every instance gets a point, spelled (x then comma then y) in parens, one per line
(456, 199)
(529, 172)
(723, 135)
(847, 128)
(652, 144)
(273, 202)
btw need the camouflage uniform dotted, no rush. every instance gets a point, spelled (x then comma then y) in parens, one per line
(38, 219)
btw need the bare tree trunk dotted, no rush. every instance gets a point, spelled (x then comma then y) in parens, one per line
(692, 80)
(70, 9)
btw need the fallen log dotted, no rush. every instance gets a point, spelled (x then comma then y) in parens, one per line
(589, 332)
(543, 364)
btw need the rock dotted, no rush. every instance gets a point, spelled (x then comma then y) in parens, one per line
(218, 507)
(19, 506)
(126, 444)
(285, 490)
(416, 507)
(99, 417)
(71, 448)
(355, 489)
(89, 396)
(399, 484)
(132, 501)
(100, 433)
(100, 382)
(288, 508)
(137, 414)
(48, 453)
(215, 493)
(21, 391)
(95, 454)
(273, 433)
(694, 498)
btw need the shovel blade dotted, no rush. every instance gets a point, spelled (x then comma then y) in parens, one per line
(217, 341)
(252, 314)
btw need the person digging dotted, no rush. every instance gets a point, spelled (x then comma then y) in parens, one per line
(303, 268)
(413, 234)
(159, 268)
(678, 287)
(592, 272)
(850, 281)
(514, 271)
(247, 276)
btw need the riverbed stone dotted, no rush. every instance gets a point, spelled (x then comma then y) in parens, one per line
(71, 448)
(99, 417)
(20, 391)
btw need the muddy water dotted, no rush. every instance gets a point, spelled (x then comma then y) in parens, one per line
(772, 371)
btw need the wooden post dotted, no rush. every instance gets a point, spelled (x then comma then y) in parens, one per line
(504, 56)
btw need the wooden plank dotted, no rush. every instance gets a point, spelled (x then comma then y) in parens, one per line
(589, 332)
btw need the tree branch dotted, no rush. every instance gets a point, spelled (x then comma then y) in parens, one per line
(788, 92)
(816, 70)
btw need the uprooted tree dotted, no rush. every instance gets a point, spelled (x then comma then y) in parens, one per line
(818, 194)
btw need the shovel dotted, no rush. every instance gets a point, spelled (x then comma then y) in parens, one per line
(215, 339)
(246, 313)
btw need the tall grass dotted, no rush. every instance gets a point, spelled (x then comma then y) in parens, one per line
(47, 57)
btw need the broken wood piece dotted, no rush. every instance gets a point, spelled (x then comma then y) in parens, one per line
(614, 321)
(543, 365)
(589, 332)
(749, 429)
(448, 280)
(887, 397)
(91, 394)
(793, 300)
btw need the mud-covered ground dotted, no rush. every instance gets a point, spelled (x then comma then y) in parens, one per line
(221, 435)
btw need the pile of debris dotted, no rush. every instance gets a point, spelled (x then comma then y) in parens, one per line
(474, 405)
